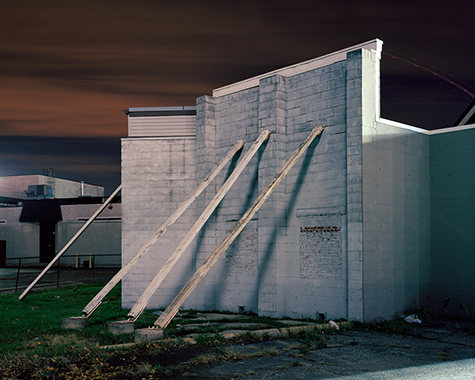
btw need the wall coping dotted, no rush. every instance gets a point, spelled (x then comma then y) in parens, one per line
(374, 45)
(425, 131)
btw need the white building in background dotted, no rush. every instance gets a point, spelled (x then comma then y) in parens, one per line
(39, 214)
(377, 216)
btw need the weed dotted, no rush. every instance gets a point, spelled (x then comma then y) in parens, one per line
(210, 340)
(223, 353)
(203, 359)
(389, 327)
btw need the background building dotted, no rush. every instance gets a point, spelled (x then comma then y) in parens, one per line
(39, 214)
(376, 217)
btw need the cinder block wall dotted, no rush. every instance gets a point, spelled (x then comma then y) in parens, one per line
(157, 176)
(342, 236)
(292, 257)
(396, 198)
(451, 267)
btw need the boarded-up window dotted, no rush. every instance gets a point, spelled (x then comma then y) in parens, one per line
(321, 250)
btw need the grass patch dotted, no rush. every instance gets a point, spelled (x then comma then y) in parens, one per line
(398, 327)
(34, 324)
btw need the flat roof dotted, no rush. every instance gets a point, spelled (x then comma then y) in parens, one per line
(160, 111)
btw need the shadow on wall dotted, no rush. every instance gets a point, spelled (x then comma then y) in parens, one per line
(270, 249)
(251, 195)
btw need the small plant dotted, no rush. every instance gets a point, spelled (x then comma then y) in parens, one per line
(210, 340)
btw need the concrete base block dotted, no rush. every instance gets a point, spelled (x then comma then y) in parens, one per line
(148, 334)
(121, 327)
(73, 323)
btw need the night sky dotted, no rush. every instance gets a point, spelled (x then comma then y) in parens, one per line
(68, 69)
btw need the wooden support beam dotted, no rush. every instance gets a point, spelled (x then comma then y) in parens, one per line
(96, 301)
(171, 311)
(147, 294)
(73, 239)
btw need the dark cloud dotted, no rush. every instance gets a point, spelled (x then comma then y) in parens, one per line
(69, 68)
(93, 160)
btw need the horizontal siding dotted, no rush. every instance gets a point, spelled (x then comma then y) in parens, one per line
(163, 126)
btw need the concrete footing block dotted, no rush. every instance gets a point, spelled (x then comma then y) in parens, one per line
(148, 334)
(73, 323)
(121, 327)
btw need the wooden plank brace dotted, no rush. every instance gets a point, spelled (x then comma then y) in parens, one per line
(153, 286)
(73, 239)
(97, 300)
(170, 312)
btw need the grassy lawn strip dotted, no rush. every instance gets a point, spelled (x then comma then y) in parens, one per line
(28, 325)
(33, 345)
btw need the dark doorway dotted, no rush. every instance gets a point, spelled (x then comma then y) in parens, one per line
(47, 241)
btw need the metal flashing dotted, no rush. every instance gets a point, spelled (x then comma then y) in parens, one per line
(160, 111)
(425, 131)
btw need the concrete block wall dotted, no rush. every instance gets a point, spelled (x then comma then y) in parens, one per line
(279, 265)
(396, 215)
(315, 277)
(157, 176)
(374, 218)
(452, 220)
(354, 186)
(233, 280)
(293, 257)
(395, 206)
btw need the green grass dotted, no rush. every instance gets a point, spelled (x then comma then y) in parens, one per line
(28, 325)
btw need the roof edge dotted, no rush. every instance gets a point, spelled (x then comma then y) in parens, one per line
(373, 45)
(160, 111)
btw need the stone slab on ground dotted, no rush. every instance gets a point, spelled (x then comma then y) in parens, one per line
(148, 334)
(73, 323)
(121, 327)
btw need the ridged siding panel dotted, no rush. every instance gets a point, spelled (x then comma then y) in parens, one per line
(162, 126)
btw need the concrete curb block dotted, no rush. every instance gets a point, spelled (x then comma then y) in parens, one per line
(146, 336)
(121, 327)
(73, 323)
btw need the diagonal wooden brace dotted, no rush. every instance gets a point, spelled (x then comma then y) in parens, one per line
(96, 301)
(70, 242)
(171, 311)
(153, 286)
